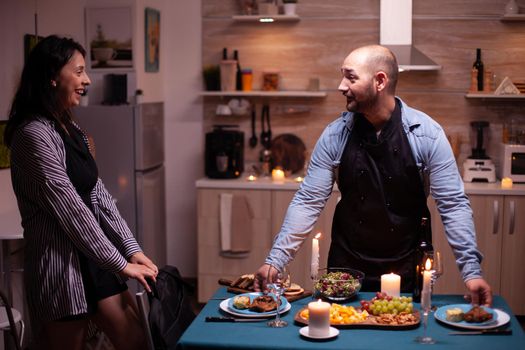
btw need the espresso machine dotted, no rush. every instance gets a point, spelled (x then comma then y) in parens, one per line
(478, 167)
(224, 152)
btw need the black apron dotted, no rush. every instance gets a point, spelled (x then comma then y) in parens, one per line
(376, 223)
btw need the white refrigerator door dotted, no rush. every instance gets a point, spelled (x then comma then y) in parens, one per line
(149, 136)
(151, 214)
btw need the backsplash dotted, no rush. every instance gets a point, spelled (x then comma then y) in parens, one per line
(315, 47)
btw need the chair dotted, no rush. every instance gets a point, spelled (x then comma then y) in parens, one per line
(143, 303)
(9, 317)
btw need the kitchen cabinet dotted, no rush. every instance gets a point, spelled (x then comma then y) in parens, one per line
(211, 264)
(269, 208)
(300, 266)
(501, 238)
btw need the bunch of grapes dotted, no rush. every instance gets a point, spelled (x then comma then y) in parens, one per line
(386, 304)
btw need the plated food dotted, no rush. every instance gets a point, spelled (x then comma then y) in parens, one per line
(337, 284)
(253, 305)
(349, 317)
(471, 317)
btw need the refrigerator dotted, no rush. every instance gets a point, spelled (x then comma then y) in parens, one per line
(129, 151)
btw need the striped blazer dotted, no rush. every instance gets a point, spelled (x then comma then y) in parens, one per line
(57, 224)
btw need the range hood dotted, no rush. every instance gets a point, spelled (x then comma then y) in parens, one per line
(396, 34)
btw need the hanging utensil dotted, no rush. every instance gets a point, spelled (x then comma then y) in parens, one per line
(266, 130)
(253, 139)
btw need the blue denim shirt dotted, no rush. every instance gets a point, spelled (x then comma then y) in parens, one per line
(437, 167)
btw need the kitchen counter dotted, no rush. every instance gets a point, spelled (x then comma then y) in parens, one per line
(291, 185)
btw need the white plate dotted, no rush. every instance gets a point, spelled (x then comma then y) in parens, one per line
(333, 332)
(224, 306)
(501, 318)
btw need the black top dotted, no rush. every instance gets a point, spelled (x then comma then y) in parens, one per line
(376, 221)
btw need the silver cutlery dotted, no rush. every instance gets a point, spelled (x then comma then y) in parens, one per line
(484, 331)
(232, 319)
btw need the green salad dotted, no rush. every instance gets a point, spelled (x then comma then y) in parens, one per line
(337, 285)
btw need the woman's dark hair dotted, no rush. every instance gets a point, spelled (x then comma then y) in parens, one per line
(35, 95)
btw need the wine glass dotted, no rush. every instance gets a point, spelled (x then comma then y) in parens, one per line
(437, 267)
(277, 283)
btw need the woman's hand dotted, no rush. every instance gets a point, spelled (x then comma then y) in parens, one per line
(140, 273)
(141, 259)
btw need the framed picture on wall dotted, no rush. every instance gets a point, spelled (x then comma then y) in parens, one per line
(109, 33)
(30, 41)
(152, 39)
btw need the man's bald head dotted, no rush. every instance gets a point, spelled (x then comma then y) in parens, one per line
(378, 58)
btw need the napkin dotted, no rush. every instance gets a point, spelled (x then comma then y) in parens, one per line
(235, 223)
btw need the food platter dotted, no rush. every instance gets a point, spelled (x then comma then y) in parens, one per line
(499, 317)
(227, 306)
(370, 322)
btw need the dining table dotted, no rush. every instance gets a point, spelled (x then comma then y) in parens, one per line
(258, 335)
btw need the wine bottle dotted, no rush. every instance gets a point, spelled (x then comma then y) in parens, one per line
(424, 245)
(238, 75)
(478, 65)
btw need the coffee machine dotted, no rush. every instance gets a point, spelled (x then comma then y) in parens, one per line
(478, 167)
(224, 152)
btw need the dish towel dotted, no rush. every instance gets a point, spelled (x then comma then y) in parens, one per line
(235, 226)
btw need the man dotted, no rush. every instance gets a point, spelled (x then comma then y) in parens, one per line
(385, 157)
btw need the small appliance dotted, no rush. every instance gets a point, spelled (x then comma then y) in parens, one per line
(224, 152)
(512, 162)
(478, 167)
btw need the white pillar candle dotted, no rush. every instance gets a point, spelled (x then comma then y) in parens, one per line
(318, 318)
(314, 265)
(278, 175)
(506, 182)
(391, 284)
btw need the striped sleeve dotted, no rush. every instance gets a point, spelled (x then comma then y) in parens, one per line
(40, 160)
(120, 236)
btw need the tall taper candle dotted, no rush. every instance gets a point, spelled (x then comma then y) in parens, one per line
(314, 266)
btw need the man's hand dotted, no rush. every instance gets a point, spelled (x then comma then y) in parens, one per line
(480, 292)
(261, 276)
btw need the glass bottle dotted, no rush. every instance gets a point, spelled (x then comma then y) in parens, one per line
(424, 245)
(478, 65)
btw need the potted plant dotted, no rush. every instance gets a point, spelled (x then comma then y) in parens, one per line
(289, 7)
(102, 49)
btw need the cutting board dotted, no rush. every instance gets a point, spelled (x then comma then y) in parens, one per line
(290, 298)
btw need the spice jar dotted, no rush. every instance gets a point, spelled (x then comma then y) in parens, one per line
(247, 79)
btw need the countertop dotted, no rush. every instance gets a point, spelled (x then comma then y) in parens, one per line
(266, 183)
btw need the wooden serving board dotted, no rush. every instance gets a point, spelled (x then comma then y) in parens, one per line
(370, 322)
(235, 290)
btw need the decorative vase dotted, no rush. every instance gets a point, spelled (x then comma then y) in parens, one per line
(289, 9)
(511, 8)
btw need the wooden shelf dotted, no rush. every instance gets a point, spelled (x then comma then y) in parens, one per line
(495, 97)
(265, 93)
(267, 18)
(513, 18)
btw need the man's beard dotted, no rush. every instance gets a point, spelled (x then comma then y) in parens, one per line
(363, 104)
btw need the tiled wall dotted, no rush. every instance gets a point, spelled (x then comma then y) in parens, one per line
(448, 31)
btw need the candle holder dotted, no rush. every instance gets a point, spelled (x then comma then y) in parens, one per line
(425, 308)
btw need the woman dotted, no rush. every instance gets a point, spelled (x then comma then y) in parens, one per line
(78, 247)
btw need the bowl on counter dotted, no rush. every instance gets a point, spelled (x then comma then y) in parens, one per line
(338, 283)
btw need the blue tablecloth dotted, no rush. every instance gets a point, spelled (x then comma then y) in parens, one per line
(257, 335)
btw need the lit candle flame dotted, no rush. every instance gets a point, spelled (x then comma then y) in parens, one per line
(318, 235)
(428, 264)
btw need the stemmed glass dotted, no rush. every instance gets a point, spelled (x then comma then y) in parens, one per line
(277, 284)
(425, 307)
(437, 267)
